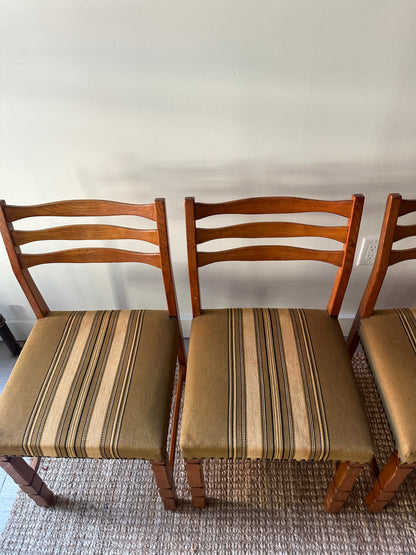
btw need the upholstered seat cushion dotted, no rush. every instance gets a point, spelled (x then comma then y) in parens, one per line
(389, 340)
(92, 384)
(271, 384)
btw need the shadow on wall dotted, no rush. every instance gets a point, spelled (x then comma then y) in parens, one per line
(234, 284)
(130, 180)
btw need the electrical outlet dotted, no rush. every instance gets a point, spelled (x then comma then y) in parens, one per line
(368, 251)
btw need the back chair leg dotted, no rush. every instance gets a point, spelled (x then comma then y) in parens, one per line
(175, 420)
(35, 463)
(27, 479)
(345, 475)
(387, 483)
(196, 482)
(164, 480)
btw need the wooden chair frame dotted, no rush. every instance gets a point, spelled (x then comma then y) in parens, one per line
(345, 472)
(25, 475)
(387, 481)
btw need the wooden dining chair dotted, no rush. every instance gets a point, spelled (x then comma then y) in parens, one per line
(273, 383)
(92, 383)
(388, 337)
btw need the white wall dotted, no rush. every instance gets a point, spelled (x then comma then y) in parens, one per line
(130, 100)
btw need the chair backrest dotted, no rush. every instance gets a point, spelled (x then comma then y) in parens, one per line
(22, 262)
(391, 232)
(346, 234)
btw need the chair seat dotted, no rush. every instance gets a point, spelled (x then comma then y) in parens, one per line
(389, 339)
(272, 384)
(92, 384)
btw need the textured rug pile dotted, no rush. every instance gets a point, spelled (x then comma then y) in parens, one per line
(254, 507)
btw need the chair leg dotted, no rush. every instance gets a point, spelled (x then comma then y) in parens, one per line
(175, 420)
(27, 479)
(196, 482)
(345, 475)
(387, 483)
(164, 480)
(35, 463)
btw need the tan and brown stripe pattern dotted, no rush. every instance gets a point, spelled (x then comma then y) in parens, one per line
(275, 404)
(80, 406)
(408, 321)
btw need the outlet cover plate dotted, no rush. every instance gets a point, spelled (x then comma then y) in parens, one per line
(368, 251)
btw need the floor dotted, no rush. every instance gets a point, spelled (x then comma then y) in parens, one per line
(8, 489)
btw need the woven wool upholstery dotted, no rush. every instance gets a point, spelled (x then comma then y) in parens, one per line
(271, 384)
(389, 340)
(92, 384)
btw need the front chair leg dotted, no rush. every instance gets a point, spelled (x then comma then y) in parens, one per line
(387, 483)
(27, 479)
(164, 480)
(196, 482)
(345, 475)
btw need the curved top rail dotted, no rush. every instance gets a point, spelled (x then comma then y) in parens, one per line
(401, 255)
(407, 206)
(273, 205)
(404, 231)
(80, 208)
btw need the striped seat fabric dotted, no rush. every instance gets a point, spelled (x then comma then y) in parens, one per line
(92, 384)
(389, 340)
(271, 384)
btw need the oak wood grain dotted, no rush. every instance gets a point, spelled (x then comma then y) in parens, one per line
(344, 272)
(271, 229)
(196, 482)
(166, 265)
(345, 476)
(267, 252)
(401, 255)
(83, 232)
(387, 483)
(192, 255)
(164, 479)
(272, 205)
(407, 206)
(89, 255)
(30, 289)
(71, 208)
(404, 231)
(28, 480)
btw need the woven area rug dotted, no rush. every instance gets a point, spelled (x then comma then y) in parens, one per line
(254, 507)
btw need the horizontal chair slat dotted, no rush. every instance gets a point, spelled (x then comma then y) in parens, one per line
(273, 205)
(403, 231)
(89, 255)
(402, 255)
(81, 208)
(85, 232)
(265, 252)
(271, 229)
(407, 206)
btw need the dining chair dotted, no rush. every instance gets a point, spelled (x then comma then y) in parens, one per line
(91, 383)
(388, 337)
(273, 383)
